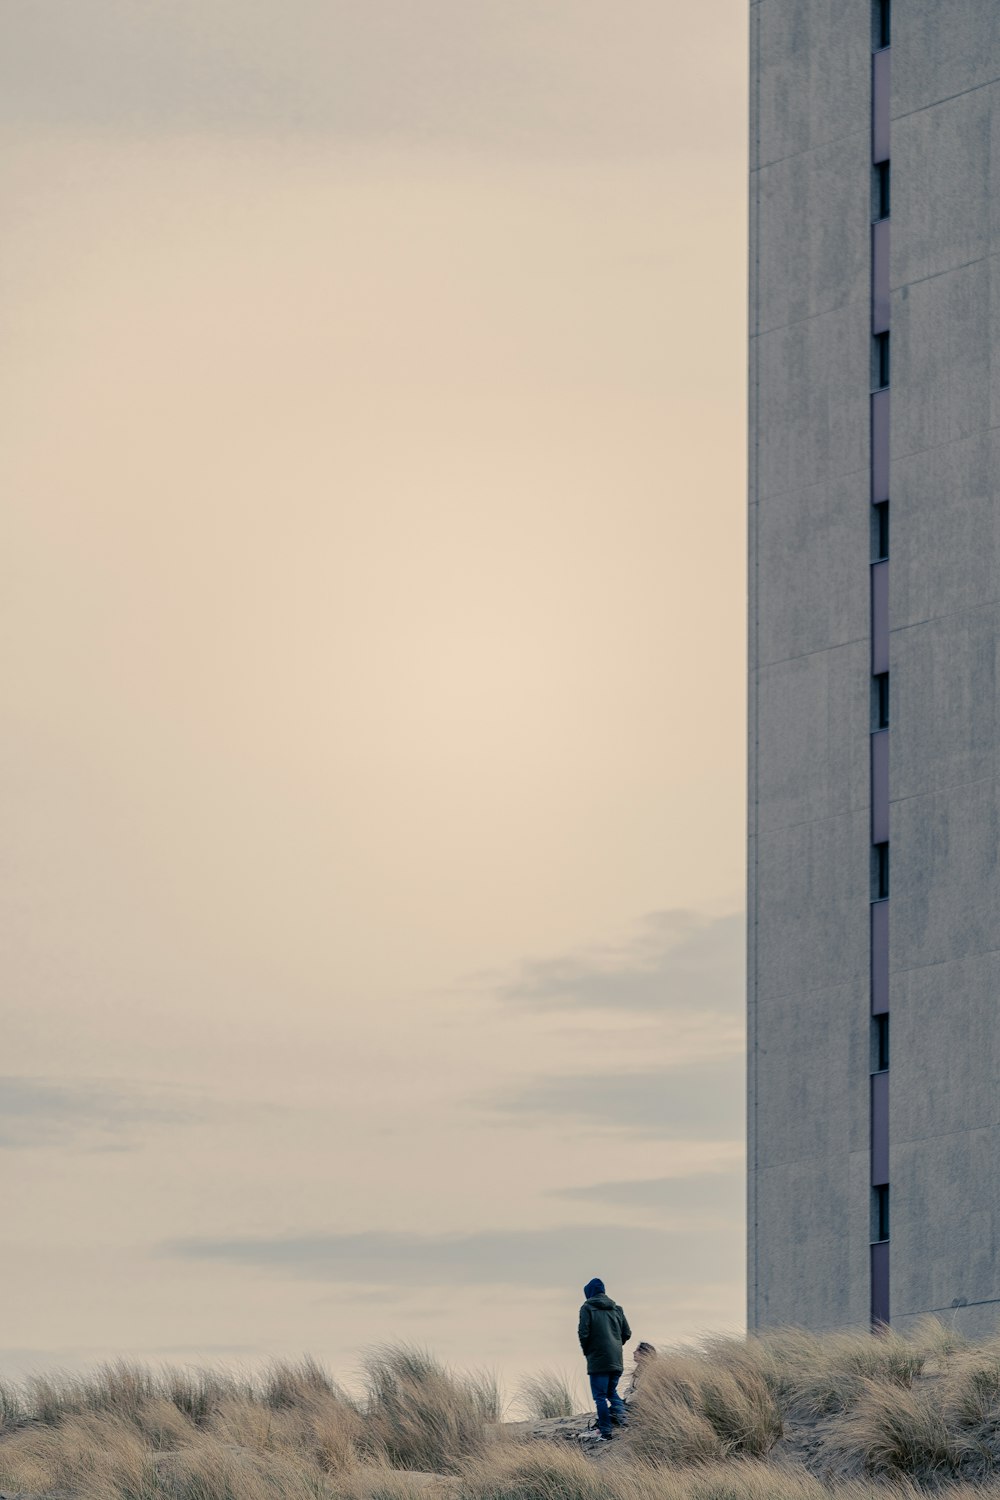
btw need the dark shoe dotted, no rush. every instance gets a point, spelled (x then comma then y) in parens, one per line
(606, 1437)
(621, 1421)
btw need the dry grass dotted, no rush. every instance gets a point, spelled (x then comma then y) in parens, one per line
(418, 1415)
(876, 1416)
(885, 1418)
(693, 1408)
(486, 1389)
(946, 1426)
(893, 1430)
(550, 1471)
(94, 1455)
(548, 1394)
(211, 1437)
(820, 1375)
(121, 1388)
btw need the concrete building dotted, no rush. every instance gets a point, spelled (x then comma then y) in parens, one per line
(874, 882)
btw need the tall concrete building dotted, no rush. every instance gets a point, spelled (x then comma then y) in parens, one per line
(874, 881)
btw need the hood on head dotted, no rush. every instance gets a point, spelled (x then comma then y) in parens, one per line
(594, 1288)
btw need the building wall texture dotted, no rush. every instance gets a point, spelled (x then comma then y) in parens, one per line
(813, 364)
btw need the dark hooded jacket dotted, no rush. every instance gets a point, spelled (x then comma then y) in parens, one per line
(603, 1330)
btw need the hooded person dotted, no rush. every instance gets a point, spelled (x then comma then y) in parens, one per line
(603, 1331)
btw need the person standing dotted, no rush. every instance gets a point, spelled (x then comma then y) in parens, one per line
(603, 1331)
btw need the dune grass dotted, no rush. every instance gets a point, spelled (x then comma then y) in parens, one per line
(886, 1419)
(549, 1471)
(548, 1394)
(418, 1415)
(817, 1376)
(947, 1426)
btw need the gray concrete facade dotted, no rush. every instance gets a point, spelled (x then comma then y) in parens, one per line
(810, 854)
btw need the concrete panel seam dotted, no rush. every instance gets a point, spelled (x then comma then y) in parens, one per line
(798, 1161)
(897, 286)
(949, 614)
(780, 661)
(858, 977)
(937, 963)
(860, 300)
(862, 470)
(936, 791)
(860, 806)
(836, 140)
(988, 83)
(944, 1135)
(921, 1312)
(930, 448)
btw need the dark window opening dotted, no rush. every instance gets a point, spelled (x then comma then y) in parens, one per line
(880, 1043)
(883, 23)
(883, 190)
(880, 701)
(880, 872)
(880, 1213)
(880, 531)
(881, 372)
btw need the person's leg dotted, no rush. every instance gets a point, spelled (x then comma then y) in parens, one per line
(619, 1412)
(599, 1391)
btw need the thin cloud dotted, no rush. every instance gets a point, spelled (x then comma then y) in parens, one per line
(500, 72)
(699, 1102)
(97, 1113)
(563, 1256)
(711, 1197)
(677, 961)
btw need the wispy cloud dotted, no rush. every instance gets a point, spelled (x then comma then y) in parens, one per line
(564, 1256)
(701, 1101)
(497, 71)
(93, 1113)
(712, 1198)
(677, 961)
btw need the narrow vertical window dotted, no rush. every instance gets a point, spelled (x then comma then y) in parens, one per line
(880, 701)
(883, 24)
(880, 1213)
(880, 1043)
(882, 195)
(881, 360)
(880, 872)
(880, 531)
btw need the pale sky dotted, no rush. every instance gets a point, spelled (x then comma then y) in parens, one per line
(373, 675)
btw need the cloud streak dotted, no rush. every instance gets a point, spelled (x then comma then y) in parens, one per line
(94, 1113)
(500, 71)
(562, 1256)
(715, 1198)
(678, 961)
(699, 1102)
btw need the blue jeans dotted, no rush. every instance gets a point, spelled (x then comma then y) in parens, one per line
(604, 1389)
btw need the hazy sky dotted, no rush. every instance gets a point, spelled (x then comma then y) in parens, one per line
(372, 660)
